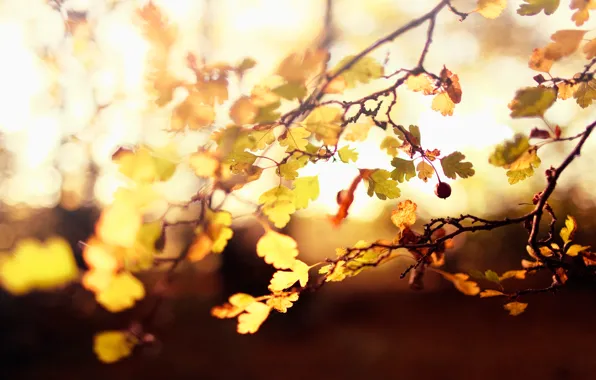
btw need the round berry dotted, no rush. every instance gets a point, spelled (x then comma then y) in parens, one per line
(443, 190)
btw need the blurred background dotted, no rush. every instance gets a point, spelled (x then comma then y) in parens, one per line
(73, 90)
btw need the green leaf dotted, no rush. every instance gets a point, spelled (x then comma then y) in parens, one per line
(533, 7)
(346, 154)
(295, 138)
(290, 91)
(568, 231)
(585, 93)
(325, 124)
(404, 169)
(289, 169)
(414, 134)
(532, 102)
(380, 184)
(365, 69)
(507, 153)
(453, 165)
(391, 145)
(476, 274)
(425, 171)
(306, 189)
(267, 114)
(491, 275)
(278, 204)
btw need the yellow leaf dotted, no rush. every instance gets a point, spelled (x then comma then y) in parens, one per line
(250, 321)
(443, 104)
(278, 204)
(515, 308)
(282, 301)
(425, 171)
(325, 124)
(219, 230)
(565, 42)
(404, 215)
(336, 86)
(519, 274)
(362, 71)
(539, 62)
(236, 305)
(243, 111)
(140, 196)
(122, 293)
(306, 189)
(491, 9)
(421, 83)
(575, 249)
(282, 280)
(566, 90)
(200, 247)
(357, 131)
(590, 49)
(299, 67)
(37, 266)
(346, 154)
(568, 231)
(295, 138)
(119, 224)
(277, 249)
(460, 280)
(111, 346)
(204, 164)
(490, 293)
(585, 93)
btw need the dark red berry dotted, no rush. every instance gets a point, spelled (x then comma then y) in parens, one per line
(443, 190)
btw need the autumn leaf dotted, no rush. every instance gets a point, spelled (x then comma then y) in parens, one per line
(585, 93)
(305, 190)
(362, 71)
(583, 6)
(283, 279)
(379, 183)
(453, 166)
(346, 154)
(111, 346)
(325, 124)
(404, 215)
(566, 90)
(461, 282)
(119, 224)
(255, 314)
(443, 104)
(532, 102)
(575, 249)
(519, 274)
(357, 131)
(533, 7)
(122, 293)
(277, 249)
(421, 83)
(590, 49)
(278, 204)
(204, 164)
(291, 91)
(515, 308)
(299, 67)
(523, 167)
(38, 266)
(404, 169)
(282, 301)
(490, 293)
(491, 275)
(243, 111)
(425, 171)
(569, 230)
(235, 305)
(295, 162)
(491, 9)
(200, 247)
(539, 62)
(506, 154)
(295, 138)
(565, 42)
(450, 83)
(391, 145)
